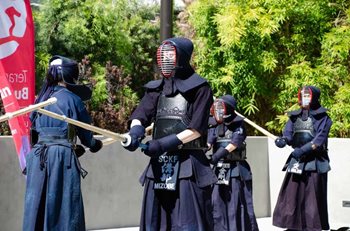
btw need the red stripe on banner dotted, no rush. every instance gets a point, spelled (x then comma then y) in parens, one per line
(17, 68)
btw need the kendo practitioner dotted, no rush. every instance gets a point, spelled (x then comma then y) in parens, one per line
(232, 194)
(302, 201)
(53, 198)
(177, 182)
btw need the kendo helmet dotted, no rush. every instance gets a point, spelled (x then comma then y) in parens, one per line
(308, 97)
(173, 54)
(63, 69)
(67, 70)
(223, 109)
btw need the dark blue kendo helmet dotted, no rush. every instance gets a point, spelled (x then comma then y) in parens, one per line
(184, 49)
(63, 69)
(230, 100)
(67, 70)
(231, 105)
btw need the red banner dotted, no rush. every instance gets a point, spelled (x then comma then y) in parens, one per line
(17, 67)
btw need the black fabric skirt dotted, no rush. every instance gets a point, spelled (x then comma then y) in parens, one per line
(186, 209)
(233, 206)
(302, 202)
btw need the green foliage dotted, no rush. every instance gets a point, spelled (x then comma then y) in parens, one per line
(99, 94)
(113, 99)
(123, 32)
(341, 112)
(4, 126)
(263, 51)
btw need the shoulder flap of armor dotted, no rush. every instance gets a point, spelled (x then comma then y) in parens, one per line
(238, 119)
(294, 113)
(154, 84)
(212, 122)
(318, 111)
(184, 85)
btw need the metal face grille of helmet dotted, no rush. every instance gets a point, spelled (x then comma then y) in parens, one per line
(166, 59)
(305, 97)
(218, 110)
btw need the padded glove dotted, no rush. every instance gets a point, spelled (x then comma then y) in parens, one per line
(220, 153)
(79, 150)
(281, 142)
(97, 146)
(137, 133)
(304, 150)
(157, 147)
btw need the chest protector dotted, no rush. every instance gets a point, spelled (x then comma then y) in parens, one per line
(303, 132)
(238, 154)
(172, 118)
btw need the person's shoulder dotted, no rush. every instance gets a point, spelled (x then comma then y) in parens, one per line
(193, 82)
(197, 81)
(294, 113)
(212, 122)
(238, 119)
(320, 113)
(154, 85)
(68, 96)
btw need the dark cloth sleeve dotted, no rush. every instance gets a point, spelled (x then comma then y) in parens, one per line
(146, 110)
(322, 128)
(211, 135)
(288, 132)
(238, 135)
(203, 99)
(82, 115)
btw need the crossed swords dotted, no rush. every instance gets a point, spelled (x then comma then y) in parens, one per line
(112, 136)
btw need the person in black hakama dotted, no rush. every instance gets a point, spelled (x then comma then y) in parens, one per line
(177, 182)
(232, 194)
(302, 201)
(53, 199)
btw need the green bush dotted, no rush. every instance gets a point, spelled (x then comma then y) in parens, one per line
(261, 52)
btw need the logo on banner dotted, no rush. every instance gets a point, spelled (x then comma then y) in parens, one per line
(12, 26)
(5, 92)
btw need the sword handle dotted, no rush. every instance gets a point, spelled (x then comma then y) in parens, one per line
(143, 146)
(127, 140)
